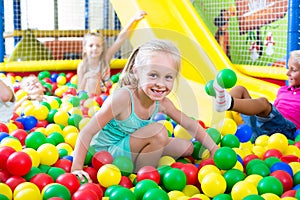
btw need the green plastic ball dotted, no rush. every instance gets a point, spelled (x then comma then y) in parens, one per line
(270, 184)
(214, 134)
(155, 194)
(230, 140)
(209, 89)
(225, 158)
(124, 164)
(231, 177)
(143, 186)
(173, 176)
(56, 190)
(226, 78)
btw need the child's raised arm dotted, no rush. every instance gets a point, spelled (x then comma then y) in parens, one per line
(124, 34)
(6, 93)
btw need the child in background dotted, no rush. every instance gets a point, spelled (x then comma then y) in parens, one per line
(7, 100)
(124, 125)
(263, 117)
(34, 89)
(94, 71)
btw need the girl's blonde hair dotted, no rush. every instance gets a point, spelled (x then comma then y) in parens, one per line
(104, 66)
(295, 55)
(142, 54)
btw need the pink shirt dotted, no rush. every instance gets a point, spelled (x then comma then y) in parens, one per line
(288, 103)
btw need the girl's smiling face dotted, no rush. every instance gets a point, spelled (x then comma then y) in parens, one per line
(32, 86)
(93, 46)
(293, 72)
(157, 76)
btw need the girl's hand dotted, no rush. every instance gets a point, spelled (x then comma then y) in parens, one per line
(82, 175)
(140, 15)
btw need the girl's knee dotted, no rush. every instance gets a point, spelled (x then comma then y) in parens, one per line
(161, 133)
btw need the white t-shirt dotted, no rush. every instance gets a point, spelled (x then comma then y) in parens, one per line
(6, 108)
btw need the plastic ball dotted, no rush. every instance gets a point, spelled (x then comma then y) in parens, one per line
(56, 190)
(124, 164)
(84, 194)
(16, 160)
(27, 185)
(61, 117)
(83, 122)
(213, 184)
(242, 189)
(282, 166)
(121, 193)
(166, 160)
(174, 175)
(71, 139)
(191, 173)
(70, 181)
(101, 158)
(227, 126)
(226, 78)
(92, 187)
(20, 134)
(143, 186)
(225, 158)
(6, 191)
(41, 112)
(270, 196)
(253, 178)
(278, 141)
(206, 169)
(50, 128)
(243, 133)
(109, 175)
(11, 142)
(180, 132)
(34, 156)
(148, 172)
(5, 152)
(231, 177)
(48, 154)
(35, 139)
(53, 77)
(214, 134)
(270, 184)
(285, 179)
(230, 140)
(209, 88)
(155, 194)
(29, 122)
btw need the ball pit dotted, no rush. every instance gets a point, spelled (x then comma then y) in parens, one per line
(42, 137)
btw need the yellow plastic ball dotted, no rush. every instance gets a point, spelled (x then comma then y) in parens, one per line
(227, 126)
(71, 139)
(213, 184)
(27, 185)
(83, 122)
(34, 155)
(190, 190)
(20, 94)
(66, 106)
(5, 190)
(74, 79)
(90, 103)
(28, 193)
(41, 112)
(69, 129)
(109, 175)
(11, 127)
(259, 151)
(201, 196)
(253, 178)
(48, 154)
(61, 80)
(11, 142)
(59, 92)
(41, 130)
(292, 150)
(29, 110)
(75, 110)
(175, 194)
(180, 132)
(65, 146)
(54, 104)
(206, 170)
(50, 128)
(262, 140)
(270, 196)
(278, 141)
(295, 167)
(242, 189)
(61, 117)
(166, 160)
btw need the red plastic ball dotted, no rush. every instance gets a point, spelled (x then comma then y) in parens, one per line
(94, 187)
(148, 172)
(70, 181)
(126, 182)
(285, 179)
(272, 153)
(248, 158)
(191, 173)
(5, 152)
(85, 194)
(19, 163)
(289, 193)
(4, 175)
(209, 161)
(3, 128)
(64, 164)
(14, 181)
(92, 173)
(20, 135)
(41, 180)
(101, 158)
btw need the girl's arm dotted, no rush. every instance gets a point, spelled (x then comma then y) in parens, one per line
(80, 75)
(110, 109)
(191, 125)
(123, 35)
(6, 93)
